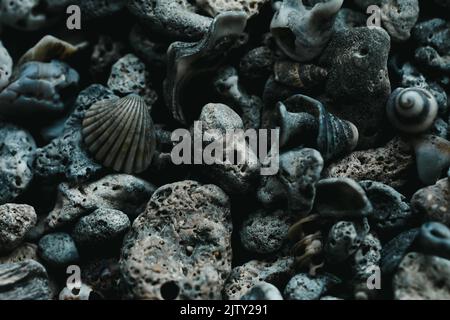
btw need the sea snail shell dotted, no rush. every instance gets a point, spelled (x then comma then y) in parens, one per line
(119, 133)
(412, 110)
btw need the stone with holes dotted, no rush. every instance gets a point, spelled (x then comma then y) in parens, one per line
(15, 221)
(180, 247)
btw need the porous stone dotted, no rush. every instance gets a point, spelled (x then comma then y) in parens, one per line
(366, 257)
(392, 164)
(265, 232)
(246, 276)
(26, 280)
(394, 251)
(263, 291)
(180, 247)
(129, 75)
(58, 249)
(348, 18)
(122, 192)
(15, 221)
(66, 155)
(26, 251)
(6, 64)
(391, 212)
(94, 9)
(434, 33)
(358, 82)
(304, 287)
(16, 161)
(422, 277)
(214, 7)
(433, 202)
(103, 226)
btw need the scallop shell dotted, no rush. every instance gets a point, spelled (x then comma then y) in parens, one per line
(412, 110)
(119, 133)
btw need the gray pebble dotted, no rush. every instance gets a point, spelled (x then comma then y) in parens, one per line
(58, 249)
(263, 291)
(304, 287)
(394, 251)
(15, 221)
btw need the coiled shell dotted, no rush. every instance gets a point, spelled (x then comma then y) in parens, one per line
(412, 110)
(119, 133)
(299, 75)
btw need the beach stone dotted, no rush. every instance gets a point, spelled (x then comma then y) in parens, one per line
(263, 291)
(265, 232)
(214, 7)
(180, 247)
(367, 256)
(58, 249)
(101, 227)
(26, 280)
(15, 221)
(94, 9)
(422, 277)
(122, 192)
(6, 65)
(394, 251)
(26, 251)
(66, 156)
(358, 81)
(304, 287)
(392, 165)
(246, 276)
(16, 160)
(257, 63)
(433, 202)
(434, 33)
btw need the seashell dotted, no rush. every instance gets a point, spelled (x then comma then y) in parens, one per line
(6, 65)
(434, 239)
(341, 198)
(174, 19)
(302, 33)
(49, 48)
(333, 136)
(298, 75)
(35, 90)
(185, 60)
(119, 133)
(412, 110)
(432, 157)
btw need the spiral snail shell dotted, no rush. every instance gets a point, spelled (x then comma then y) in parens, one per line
(412, 110)
(119, 133)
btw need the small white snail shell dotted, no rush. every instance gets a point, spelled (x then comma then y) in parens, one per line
(412, 110)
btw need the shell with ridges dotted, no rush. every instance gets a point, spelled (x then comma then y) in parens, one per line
(119, 133)
(299, 75)
(412, 110)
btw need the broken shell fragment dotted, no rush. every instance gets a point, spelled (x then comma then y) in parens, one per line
(333, 136)
(302, 33)
(185, 60)
(119, 133)
(412, 110)
(299, 75)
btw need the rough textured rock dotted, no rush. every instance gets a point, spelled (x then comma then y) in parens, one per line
(358, 82)
(180, 247)
(433, 203)
(16, 161)
(422, 277)
(263, 291)
(25, 280)
(265, 232)
(93, 9)
(122, 192)
(246, 276)
(368, 255)
(6, 64)
(257, 64)
(15, 221)
(214, 7)
(66, 156)
(101, 227)
(392, 164)
(394, 251)
(27, 251)
(129, 75)
(58, 249)
(304, 287)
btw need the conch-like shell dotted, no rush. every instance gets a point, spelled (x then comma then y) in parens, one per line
(333, 136)
(299, 75)
(303, 33)
(185, 60)
(47, 49)
(412, 110)
(119, 133)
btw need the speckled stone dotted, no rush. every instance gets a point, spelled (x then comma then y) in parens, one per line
(263, 291)
(58, 249)
(15, 221)
(304, 287)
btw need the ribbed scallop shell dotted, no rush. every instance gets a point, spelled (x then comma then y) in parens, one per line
(119, 133)
(412, 110)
